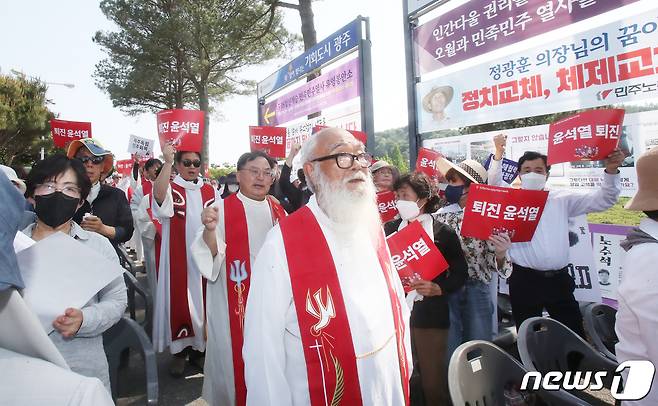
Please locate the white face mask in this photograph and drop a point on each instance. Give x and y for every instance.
(533, 181)
(408, 209)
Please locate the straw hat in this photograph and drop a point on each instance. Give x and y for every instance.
(646, 198)
(427, 99)
(95, 148)
(379, 165)
(470, 168)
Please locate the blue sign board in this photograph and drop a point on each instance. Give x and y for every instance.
(335, 45)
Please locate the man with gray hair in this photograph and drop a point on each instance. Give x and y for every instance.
(326, 321)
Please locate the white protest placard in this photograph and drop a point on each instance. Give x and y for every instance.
(140, 146)
(60, 272)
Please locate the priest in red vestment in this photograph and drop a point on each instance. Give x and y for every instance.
(179, 301)
(326, 322)
(224, 250)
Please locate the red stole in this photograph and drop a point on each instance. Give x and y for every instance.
(147, 192)
(179, 309)
(238, 272)
(323, 324)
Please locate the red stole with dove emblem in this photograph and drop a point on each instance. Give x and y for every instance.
(238, 275)
(333, 377)
(179, 307)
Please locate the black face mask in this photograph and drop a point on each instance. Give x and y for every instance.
(56, 208)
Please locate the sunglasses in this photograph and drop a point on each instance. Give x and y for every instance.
(96, 160)
(188, 162)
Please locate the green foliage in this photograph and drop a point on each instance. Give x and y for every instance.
(396, 159)
(617, 215)
(217, 171)
(24, 119)
(393, 146)
(181, 53)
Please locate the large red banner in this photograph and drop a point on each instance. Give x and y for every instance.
(183, 128)
(497, 210)
(64, 131)
(271, 140)
(386, 205)
(124, 166)
(426, 162)
(414, 255)
(587, 136)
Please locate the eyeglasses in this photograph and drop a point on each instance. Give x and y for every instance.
(188, 162)
(345, 160)
(257, 173)
(50, 187)
(96, 160)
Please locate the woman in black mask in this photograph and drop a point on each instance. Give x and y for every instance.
(58, 186)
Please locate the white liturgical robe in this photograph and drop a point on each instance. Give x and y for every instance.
(161, 325)
(275, 368)
(218, 382)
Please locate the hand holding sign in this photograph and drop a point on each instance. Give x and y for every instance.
(492, 210)
(415, 257)
(587, 136)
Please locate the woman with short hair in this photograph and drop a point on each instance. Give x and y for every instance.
(58, 186)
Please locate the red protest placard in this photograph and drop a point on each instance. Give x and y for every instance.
(496, 210)
(414, 255)
(64, 131)
(184, 128)
(386, 206)
(587, 136)
(359, 135)
(426, 162)
(271, 140)
(124, 166)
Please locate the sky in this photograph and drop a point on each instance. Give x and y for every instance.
(52, 40)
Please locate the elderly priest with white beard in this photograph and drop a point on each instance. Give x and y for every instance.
(326, 322)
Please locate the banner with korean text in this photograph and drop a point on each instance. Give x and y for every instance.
(414, 255)
(141, 147)
(271, 140)
(609, 258)
(587, 136)
(426, 162)
(386, 205)
(638, 133)
(614, 63)
(124, 166)
(63, 132)
(478, 27)
(183, 128)
(497, 210)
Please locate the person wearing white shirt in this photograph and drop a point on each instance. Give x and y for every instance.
(540, 278)
(637, 319)
(347, 341)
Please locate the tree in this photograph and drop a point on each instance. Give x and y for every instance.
(396, 159)
(24, 120)
(193, 51)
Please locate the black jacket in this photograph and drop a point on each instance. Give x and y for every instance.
(112, 207)
(432, 312)
(296, 197)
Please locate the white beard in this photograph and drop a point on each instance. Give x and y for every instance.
(355, 212)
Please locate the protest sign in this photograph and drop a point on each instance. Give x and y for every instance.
(587, 136)
(140, 146)
(386, 205)
(510, 168)
(414, 255)
(124, 166)
(496, 210)
(609, 258)
(426, 162)
(64, 131)
(183, 128)
(271, 140)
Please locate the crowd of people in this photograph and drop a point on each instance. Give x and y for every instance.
(278, 284)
